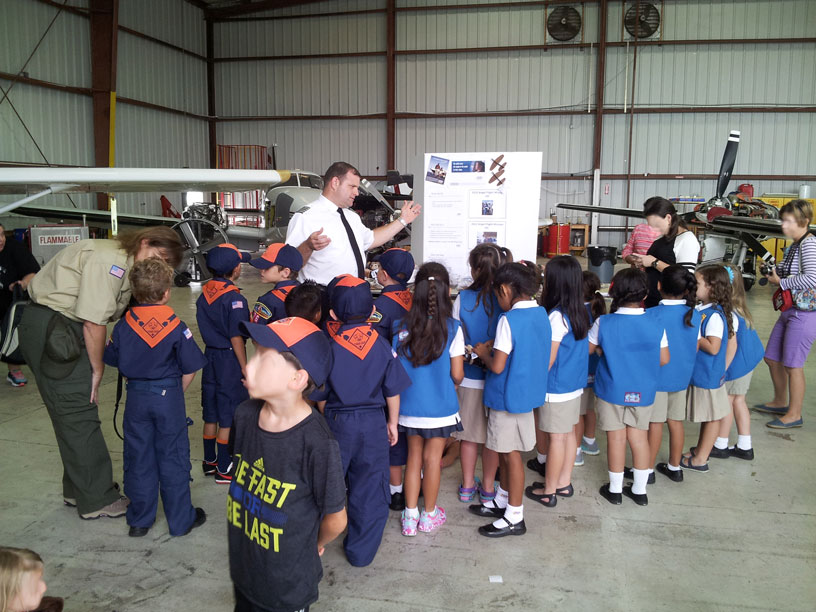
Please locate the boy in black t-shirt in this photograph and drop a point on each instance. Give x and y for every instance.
(287, 497)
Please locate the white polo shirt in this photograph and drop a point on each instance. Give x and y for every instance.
(338, 257)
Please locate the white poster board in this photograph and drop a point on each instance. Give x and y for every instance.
(470, 198)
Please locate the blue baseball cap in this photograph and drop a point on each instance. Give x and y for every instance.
(223, 258)
(350, 298)
(399, 264)
(298, 336)
(279, 255)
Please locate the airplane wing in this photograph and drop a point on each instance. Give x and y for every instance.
(604, 210)
(97, 218)
(119, 180)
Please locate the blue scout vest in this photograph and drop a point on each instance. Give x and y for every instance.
(594, 358)
(270, 306)
(709, 370)
(432, 393)
(568, 373)
(393, 303)
(522, 385)
(749, 352)
(630, 365)
(477, 326)
(676, 375)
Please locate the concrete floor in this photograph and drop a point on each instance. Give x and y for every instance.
(741, 537)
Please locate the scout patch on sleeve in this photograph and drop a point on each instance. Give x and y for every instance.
(237, 304)
(117, 271)
(260, 313)
(631, 397)
(188, 334)
(375, 317)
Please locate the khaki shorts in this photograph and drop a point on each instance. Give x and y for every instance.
(587, 400)
(612, 417)
(669, 405)
(704, 405)
(508, 432)
(559, 417)
(472, 413)
(739, 386)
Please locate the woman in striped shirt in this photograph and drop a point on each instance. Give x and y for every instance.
(795, 330)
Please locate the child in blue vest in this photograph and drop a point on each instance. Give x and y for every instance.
(750, 352)
(681, 320)
(219, 310)
(396, 269)
(585, 430)
(478, 311)
(366, 376)
(156, 353)
(707, 400)
(633, 347)
(516, 384)
(279, 264)
(431, 348)
(563, 298)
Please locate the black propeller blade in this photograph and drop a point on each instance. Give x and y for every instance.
(727, 166)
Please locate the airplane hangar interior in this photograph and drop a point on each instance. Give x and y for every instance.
(652, 158)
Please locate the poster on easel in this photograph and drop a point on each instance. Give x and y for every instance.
(474, 198)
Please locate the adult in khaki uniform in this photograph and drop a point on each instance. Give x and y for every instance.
(62, 337)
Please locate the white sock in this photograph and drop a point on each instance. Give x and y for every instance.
(395, 488)
(412, 513)
(673, 468)
(513, 514)
(744, 442)
(615, 482)
(589, 441)
(501, 497)
(721, 443)
(640, 479)
(578, 452)
(432, 512)
(542, 459)
(651, 470)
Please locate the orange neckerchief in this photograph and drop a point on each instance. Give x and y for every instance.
(214, 289)
(404, 297)
(152, 323)
(332, 327)
(357, 340)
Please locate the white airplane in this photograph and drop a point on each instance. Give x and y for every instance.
(199, 234)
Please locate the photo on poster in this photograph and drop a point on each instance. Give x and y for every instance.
(486, 233)
(458, 167)
(487, 203)
(437, 170)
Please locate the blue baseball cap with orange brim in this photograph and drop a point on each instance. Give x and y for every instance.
(223, 258)
(350, 298)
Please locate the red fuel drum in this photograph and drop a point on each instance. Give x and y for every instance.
(558, 237)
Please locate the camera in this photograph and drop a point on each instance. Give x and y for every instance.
(472, 358)
(765, 269)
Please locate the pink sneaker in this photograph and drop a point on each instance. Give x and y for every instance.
(409, 524)
(428, 523)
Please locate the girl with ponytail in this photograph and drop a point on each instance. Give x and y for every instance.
(681, 321)
(431, 347)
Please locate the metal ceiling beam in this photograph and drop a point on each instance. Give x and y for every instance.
(104, 35)
(254, 7)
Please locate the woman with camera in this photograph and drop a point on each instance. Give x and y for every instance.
(795, 330)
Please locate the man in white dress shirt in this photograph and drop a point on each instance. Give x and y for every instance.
(323, 232)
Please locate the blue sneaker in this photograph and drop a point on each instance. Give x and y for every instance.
(590, 449)
(16, 378)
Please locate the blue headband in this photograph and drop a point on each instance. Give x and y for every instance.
(730, 274)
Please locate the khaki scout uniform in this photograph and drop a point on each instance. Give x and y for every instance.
(87, 281)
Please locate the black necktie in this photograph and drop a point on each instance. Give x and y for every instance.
(354, 246)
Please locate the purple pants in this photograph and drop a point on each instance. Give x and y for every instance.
(792, 337)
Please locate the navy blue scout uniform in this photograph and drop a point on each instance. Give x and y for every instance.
(153, 349)
(676, 375)
(219, 310)
(749, 351)
(569, 371)
(365, 371)
(709, 370)
(630, 364)
(395, 300)
(270, 306)
(522, 386)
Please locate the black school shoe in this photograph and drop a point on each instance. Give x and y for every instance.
(628, 474)
(138, 532)
(534, 465)
(675, 475)
(716, 453)
(397, 501)
(485, 511)
(200, 519)
(612, 498)
(736, 451)
(491, 531)
(639, 499)
(209, 468)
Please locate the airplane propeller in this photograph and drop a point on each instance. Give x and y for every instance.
(727, 166)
